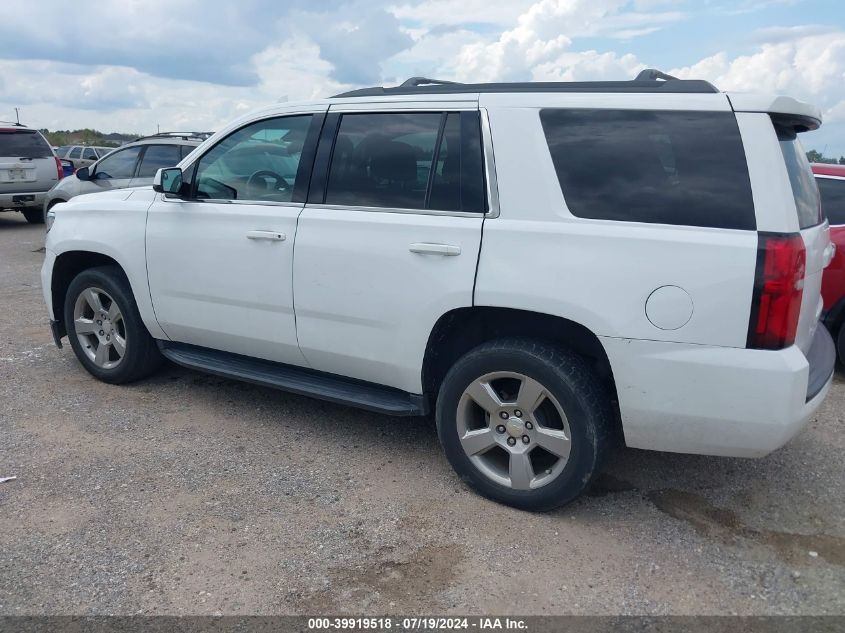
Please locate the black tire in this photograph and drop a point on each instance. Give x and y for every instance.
(840, 344)
(33, 216)
(570, 380)
(142, 356)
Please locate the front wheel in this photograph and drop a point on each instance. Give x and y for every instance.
(105, 328)
(524, 422)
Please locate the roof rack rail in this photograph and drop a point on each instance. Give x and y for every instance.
(413, 82)
(182, 135)
(652, 74)
(649, 80)
(13, 123)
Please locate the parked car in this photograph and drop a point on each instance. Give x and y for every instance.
(644, 267)
(82, 155)
(28, 169)
(831, 182)
(132, 165)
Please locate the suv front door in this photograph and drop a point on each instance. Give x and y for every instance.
(389, 239)
(220, 261)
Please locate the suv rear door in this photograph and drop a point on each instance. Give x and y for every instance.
(389, 239)
(27, 162)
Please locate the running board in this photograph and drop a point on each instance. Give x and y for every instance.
(305, 382)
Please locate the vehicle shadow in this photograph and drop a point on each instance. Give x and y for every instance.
(13, 220)
(648, 474)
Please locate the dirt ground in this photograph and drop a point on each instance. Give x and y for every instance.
(193, 494)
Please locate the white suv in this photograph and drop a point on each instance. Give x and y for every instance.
(541, 265)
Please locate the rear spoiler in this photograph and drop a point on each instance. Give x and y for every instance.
(786, 111)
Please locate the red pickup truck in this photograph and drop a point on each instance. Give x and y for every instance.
(831, 182)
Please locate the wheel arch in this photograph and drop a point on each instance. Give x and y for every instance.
(462, 329)
(67, 266)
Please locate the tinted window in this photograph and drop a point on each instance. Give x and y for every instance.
(156, 157)
(801, 178)
(647, 166)
(89, 154)
(383, 160)
(258, 162)
(833, 199)
(119, 164)
(76, 152)
(23, 144)
(61, 151)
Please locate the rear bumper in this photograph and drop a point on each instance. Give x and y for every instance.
(22, 199)
(717, 401)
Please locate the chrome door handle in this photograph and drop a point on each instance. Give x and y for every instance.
(427, 248)
(266, 235)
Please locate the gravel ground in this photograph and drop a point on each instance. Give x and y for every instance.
(193, 494)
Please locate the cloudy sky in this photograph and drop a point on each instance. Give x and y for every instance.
(132, 65)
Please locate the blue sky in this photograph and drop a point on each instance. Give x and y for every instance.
(178, 64)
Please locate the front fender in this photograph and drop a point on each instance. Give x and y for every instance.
(112, 224)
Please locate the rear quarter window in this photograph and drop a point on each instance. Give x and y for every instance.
(664, 167)
(832, 192)
(24, 144)
(801, 178)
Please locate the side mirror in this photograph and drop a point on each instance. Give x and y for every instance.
(168, 181)
(83, 173)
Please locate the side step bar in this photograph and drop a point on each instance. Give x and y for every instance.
(298, 380)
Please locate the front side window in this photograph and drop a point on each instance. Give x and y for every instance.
(258, 162)
(118, 165)
(832, 192)
(156, 157)
(666, 167)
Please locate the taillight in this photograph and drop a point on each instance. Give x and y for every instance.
(59, 167)
(778, 289)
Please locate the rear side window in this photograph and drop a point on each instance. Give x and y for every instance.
(420, 160)
(89, 154)
(801, 178)
(23, 144)
(665, 167)
(833, 199)
(156, 157)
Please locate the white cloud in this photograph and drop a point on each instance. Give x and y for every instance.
(539, 46)
(810, 68)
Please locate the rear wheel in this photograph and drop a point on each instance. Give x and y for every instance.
(105, 329)
(524, 422)
(33, 216)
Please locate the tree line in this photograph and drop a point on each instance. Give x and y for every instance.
(817, 157)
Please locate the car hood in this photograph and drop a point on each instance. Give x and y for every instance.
(103, 199)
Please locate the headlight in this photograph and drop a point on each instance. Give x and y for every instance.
(50, 218)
